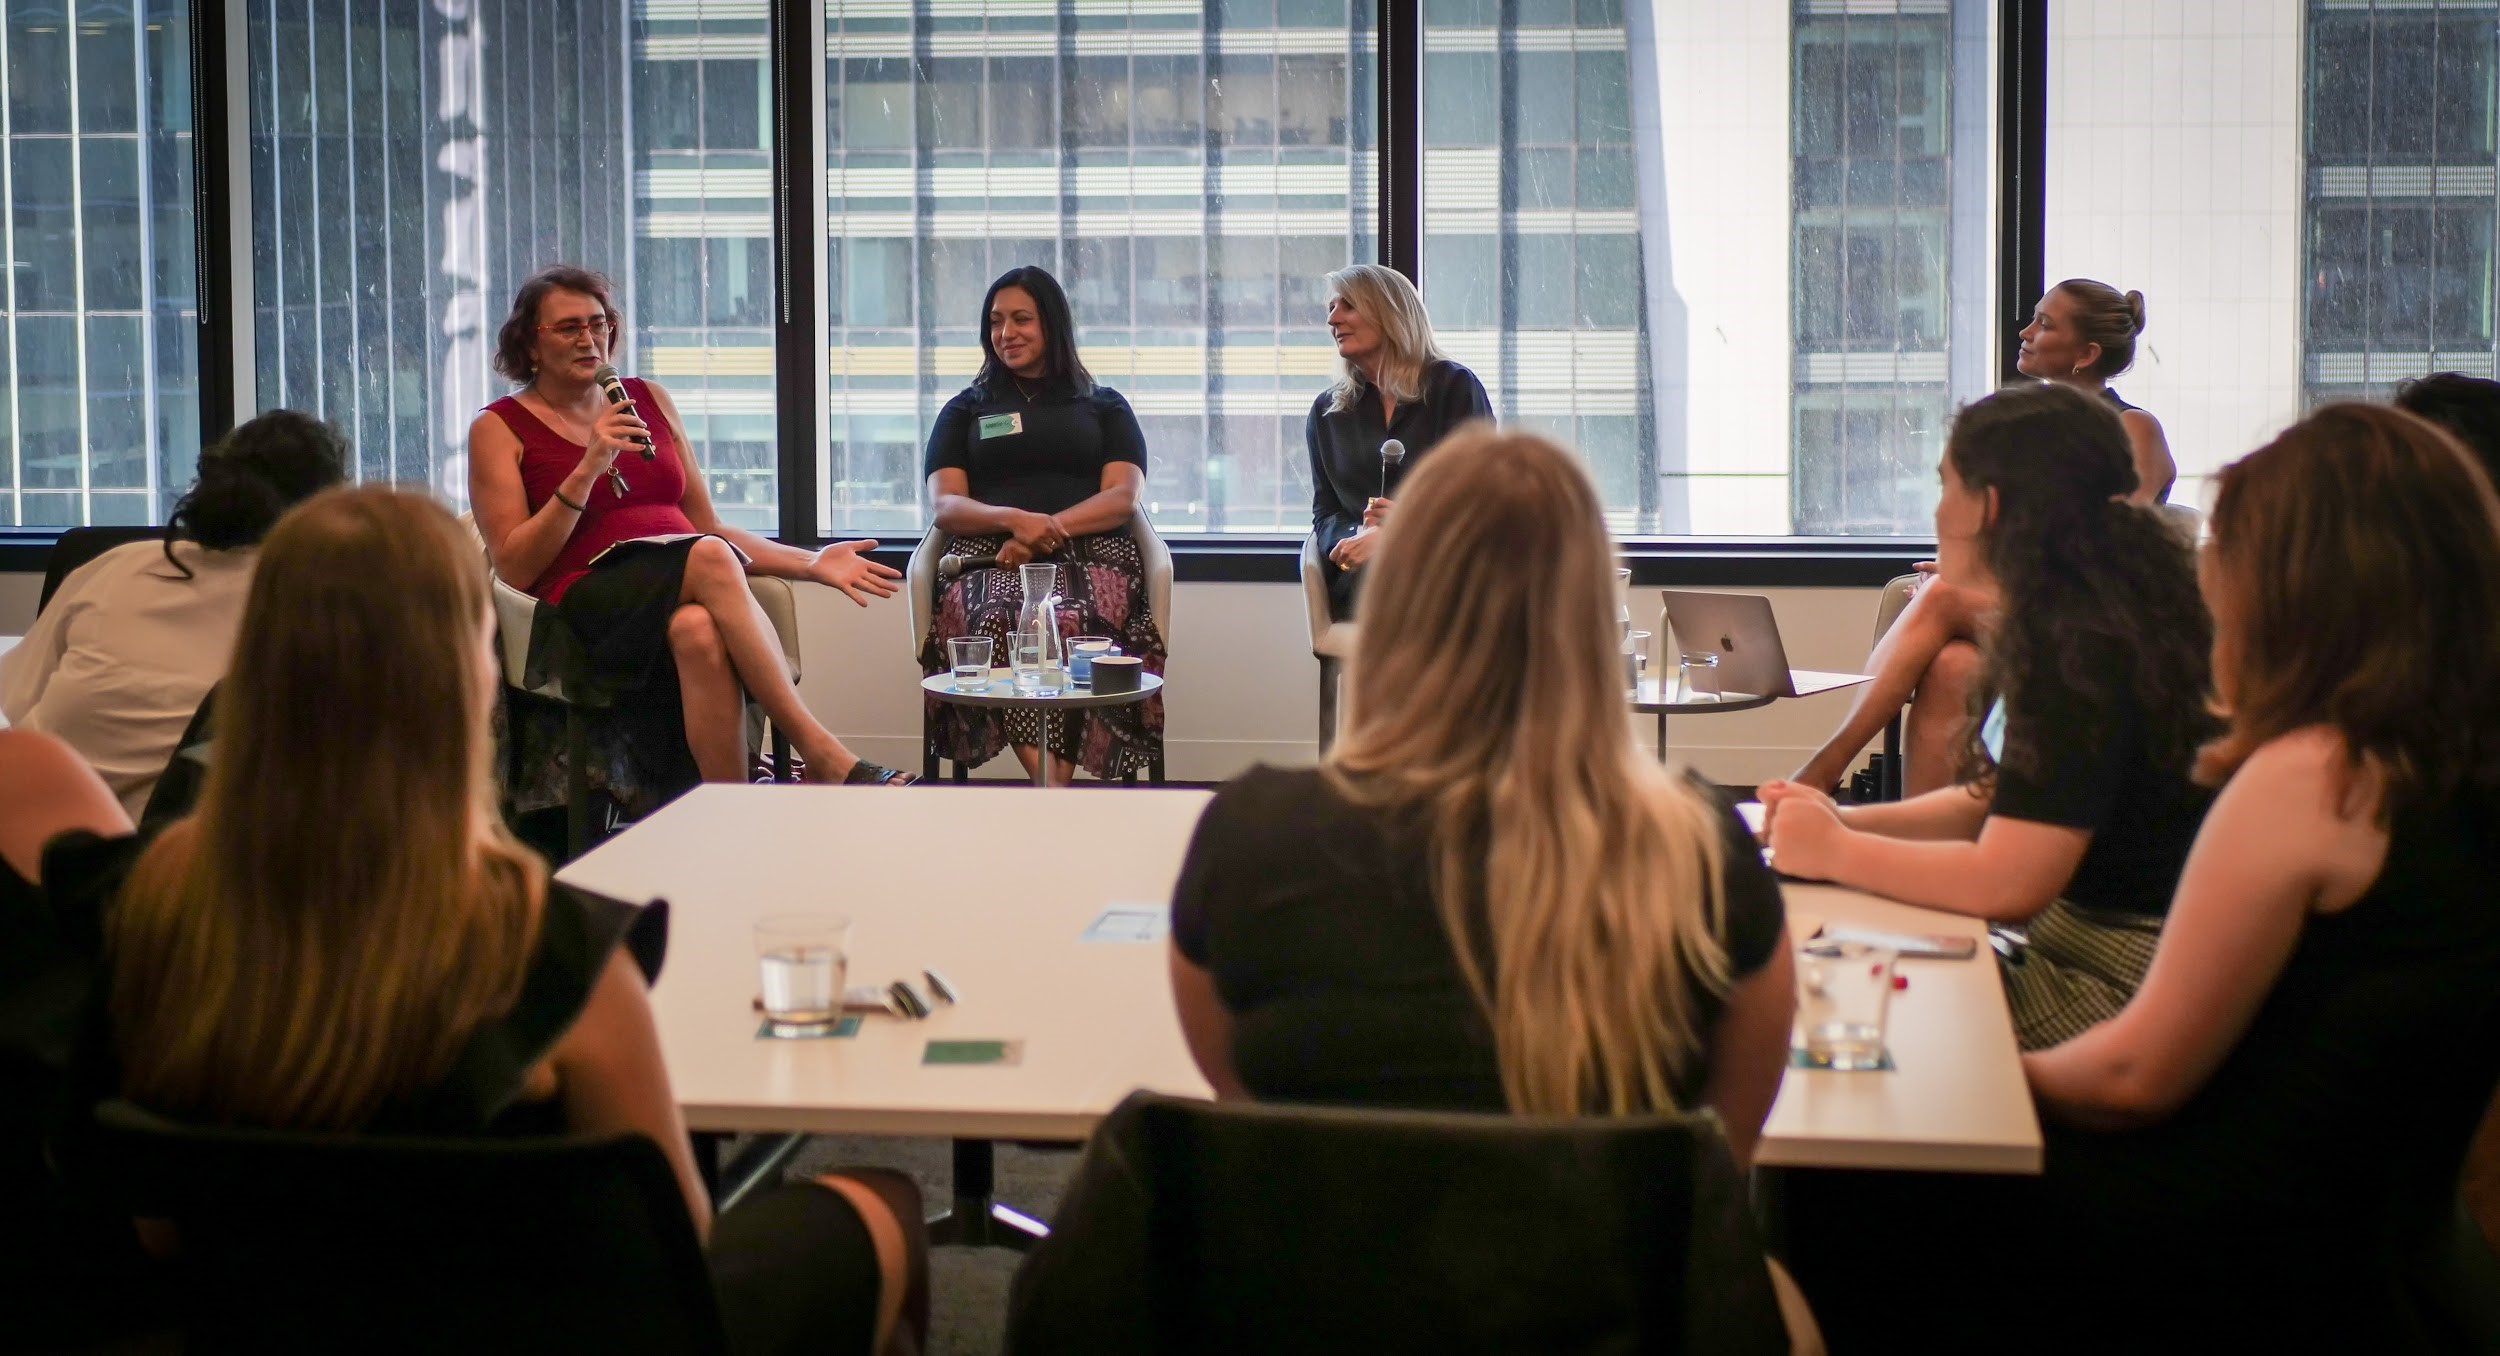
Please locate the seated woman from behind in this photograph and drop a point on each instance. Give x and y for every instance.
(413, 969)
(119, 659)
(2075, 807)
(2291, 1091)
(1487, 897)
(2082, 334)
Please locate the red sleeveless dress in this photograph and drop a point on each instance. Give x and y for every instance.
(650, 506)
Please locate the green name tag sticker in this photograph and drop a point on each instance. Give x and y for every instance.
(1000, 425)
(973, 1052)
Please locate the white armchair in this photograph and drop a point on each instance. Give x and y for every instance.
(516, 617)
(1332, 642)
(920, 592)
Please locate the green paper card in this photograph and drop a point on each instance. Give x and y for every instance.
(1000, 425)
(973, 1052)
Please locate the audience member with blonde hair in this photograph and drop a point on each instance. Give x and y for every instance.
(1393, 382)
(411, 968)
(2082, 334)
(1545, 920)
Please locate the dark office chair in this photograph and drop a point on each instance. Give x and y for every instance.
(1222, 1227)
(77, 546)
(335, 1243)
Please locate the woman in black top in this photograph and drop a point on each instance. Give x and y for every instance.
(2075, 808)
(1035, 463)
(1393, 382)
(1487, 897)
(411, 968)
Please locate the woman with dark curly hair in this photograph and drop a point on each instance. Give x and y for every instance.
(560, 478)
(2074, 808)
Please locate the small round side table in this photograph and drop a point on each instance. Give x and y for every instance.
(1002, 692)
(1657, 696)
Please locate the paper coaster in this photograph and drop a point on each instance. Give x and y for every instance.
(1797, 1060)
(847, 1027)
(1130, 923)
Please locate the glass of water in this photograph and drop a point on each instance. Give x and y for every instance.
(972, 662)
(1082, 652)
(806, 962)
(1635, 659)
(1697, 676)
(1844, 992)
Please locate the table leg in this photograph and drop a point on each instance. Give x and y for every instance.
(1041, 774)
(1662, 736)
(976, 1220)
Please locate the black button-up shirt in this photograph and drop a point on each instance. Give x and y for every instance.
(1345, 455)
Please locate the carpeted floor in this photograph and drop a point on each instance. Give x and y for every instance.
(968, 1286)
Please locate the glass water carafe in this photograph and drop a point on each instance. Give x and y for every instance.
(1040, 657)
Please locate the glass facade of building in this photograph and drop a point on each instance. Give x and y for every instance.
(2401, 181)
(1190, 170)
(1873, 247)
(99, 375)
(1191, 174)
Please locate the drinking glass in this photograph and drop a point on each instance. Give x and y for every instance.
(1844, 991)
(1697, 676)
(806, 962)
(1623, 601)
(972, 662)
(1082, 652)
(1635, 659)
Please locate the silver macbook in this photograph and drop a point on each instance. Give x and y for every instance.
(1740, 629)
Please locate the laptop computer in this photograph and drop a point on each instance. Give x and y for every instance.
(1740, 629)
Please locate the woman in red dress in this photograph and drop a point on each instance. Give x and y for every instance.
(557, 475)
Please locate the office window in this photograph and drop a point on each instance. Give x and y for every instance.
(1736, 297)
(413, 162)
(1878, 263)
(1189, 205)
(99, 378)
(2398, 195)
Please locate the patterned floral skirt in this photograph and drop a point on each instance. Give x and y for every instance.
(1102, 592)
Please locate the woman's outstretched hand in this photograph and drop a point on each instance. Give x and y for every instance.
(845, 565)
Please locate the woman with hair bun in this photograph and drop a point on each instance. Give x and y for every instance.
(2081, 334)
(118, 661)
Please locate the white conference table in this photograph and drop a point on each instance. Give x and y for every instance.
(994, 886)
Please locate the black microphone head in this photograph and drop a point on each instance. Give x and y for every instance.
(1392, 452)
(611, 383)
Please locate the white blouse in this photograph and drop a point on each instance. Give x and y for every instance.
(117, 662)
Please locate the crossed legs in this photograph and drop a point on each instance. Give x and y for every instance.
(726, 651)
(1930, 662)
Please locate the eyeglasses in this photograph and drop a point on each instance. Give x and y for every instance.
(597, 327)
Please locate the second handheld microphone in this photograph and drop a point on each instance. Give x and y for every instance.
(614, 385)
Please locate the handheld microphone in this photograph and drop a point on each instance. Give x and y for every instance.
(953, 566)
(615, 387)
(1392, 454)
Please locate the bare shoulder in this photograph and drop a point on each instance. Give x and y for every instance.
(660, 394)
(2140, 422)
(488, 430)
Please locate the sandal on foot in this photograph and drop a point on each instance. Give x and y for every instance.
(865, 773)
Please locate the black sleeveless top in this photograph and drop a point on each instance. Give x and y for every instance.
(2111, 394)
(2327, 1145)
(481, 1094)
